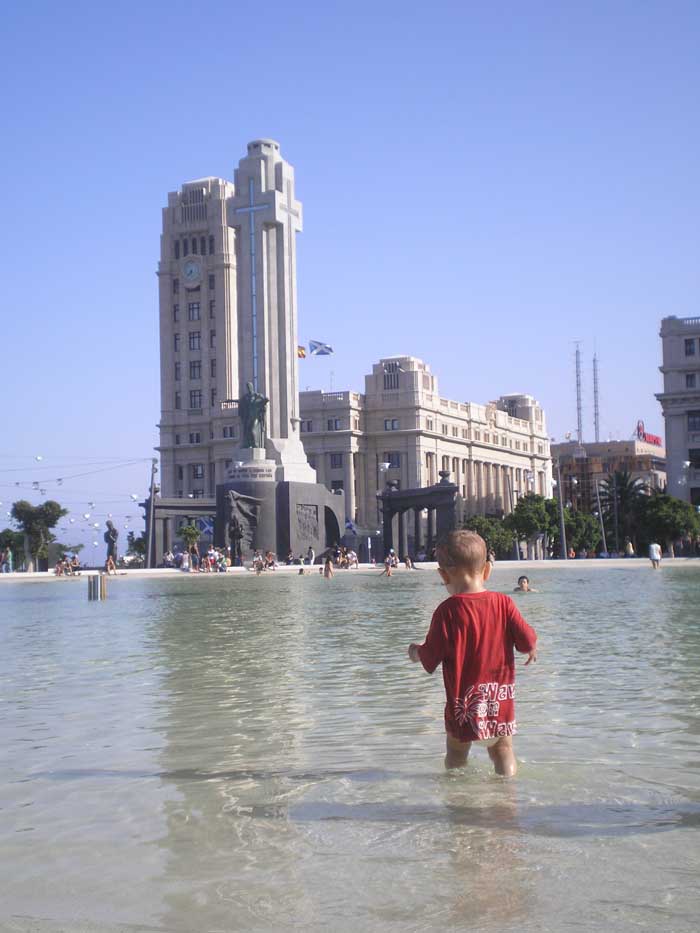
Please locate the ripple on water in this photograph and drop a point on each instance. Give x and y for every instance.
(258, 753)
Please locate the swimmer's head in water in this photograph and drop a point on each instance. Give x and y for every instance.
(522, 580)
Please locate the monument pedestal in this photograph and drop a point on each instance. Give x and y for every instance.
(277, 516)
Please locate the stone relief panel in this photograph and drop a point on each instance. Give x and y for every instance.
(307, 522)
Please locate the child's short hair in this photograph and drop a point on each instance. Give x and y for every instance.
(523, 579)
(464, 550)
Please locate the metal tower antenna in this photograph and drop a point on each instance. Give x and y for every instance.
(596, 409)
(579, 407)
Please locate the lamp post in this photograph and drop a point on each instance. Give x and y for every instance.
(562, 525)
(573, 483)
(151, 509)
(381, 468)
(600, 517)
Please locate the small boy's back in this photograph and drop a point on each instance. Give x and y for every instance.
(473, 634)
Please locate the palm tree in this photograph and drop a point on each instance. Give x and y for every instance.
(620, 497)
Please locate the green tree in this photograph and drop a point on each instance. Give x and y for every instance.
(190, 534)
(582, 530)
(621, 498)
(495, 533)
(36, 522)
(530, 518)
(666, 519)
(136, 546)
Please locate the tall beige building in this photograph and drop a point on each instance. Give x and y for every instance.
(401, 429)
(680, 401)
(227, 276)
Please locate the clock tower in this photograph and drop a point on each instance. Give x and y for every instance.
(228, 317)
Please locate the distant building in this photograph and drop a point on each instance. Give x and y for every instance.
(680, 401)
(401, 430)
(582, 467)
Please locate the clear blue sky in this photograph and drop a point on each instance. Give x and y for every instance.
(483, 183)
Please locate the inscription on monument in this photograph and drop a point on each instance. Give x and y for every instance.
(307, 521)
(264, 472)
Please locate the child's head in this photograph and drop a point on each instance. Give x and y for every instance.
(523, 583)
(461, 557)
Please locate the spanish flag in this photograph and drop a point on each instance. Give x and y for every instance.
(301, 353)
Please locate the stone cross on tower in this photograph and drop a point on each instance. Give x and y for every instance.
(266, 218)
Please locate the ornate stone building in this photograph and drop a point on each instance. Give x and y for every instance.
(680, 400)
(400, 429)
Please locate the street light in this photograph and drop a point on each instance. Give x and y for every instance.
(683, 480)
(562, 526)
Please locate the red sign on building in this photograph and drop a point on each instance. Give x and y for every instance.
(649, 438)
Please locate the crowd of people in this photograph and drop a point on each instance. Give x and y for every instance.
(212, 560)
(67, 566)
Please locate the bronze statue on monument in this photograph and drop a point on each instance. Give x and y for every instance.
(251, 409)
(110, 539)
(243, 514)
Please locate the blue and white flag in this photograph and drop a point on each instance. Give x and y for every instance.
(316, 348)
(205, 525)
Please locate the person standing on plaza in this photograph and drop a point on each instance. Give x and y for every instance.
(310, 556)
(6, 560)
(655, 554)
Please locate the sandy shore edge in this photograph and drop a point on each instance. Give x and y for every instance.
(513, 566)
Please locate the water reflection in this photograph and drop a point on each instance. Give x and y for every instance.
(258, 754)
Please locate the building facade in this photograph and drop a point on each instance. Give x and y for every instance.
(587, 466)
(227, 281)
(680, 401)
(401, 430)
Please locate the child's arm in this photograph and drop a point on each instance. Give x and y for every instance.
(523, 635)
(432, 651)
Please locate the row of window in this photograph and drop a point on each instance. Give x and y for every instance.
(195, 437)
(194, 341)
(195, 399)
(332, 424)
(489, 438)
(196, 470)
(392, 457)
(193, 245)
(194, 311)
(393, 424)
(195, 369)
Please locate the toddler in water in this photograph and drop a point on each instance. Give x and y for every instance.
(472, 634)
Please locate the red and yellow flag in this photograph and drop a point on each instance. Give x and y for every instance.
(301, 353)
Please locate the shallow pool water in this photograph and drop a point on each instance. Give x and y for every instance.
(240, 753)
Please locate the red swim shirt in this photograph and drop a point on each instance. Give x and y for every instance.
(473, 635)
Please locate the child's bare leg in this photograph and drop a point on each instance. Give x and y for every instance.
(503, 757)
(457, 753)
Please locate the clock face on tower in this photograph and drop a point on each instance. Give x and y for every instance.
(191, 271)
